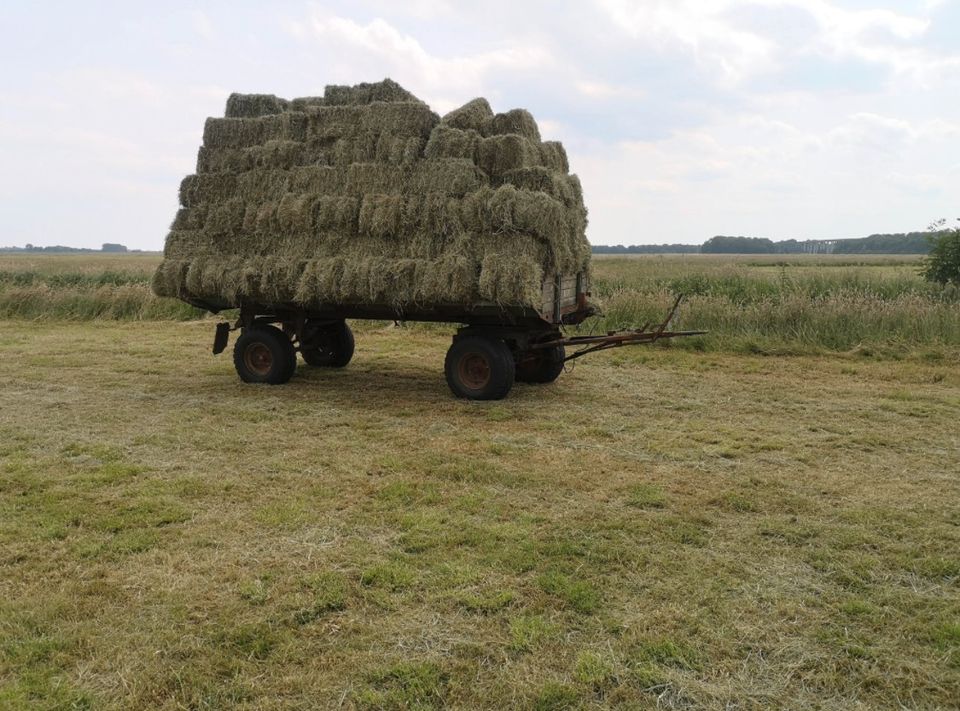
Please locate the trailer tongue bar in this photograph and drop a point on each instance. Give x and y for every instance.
(617, 339)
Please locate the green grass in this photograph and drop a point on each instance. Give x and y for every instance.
(802, 304)
(84, 287)
(660, 528)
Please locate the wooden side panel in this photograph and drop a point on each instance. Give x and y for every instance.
(549, 295)
(568, 290)
(561, 295)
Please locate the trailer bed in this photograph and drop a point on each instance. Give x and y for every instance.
(564, 301)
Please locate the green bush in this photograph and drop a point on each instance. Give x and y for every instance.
(943, 263)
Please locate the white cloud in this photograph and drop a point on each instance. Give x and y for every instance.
(916, 183)
(873, 132)
(886, 134)
(377, 49)
(601, 90)
(878, 36)
(709, 30)
(698, 27)
(759, 175)
(421, 9)
(202, 25)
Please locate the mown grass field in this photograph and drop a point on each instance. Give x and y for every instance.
(703, 526)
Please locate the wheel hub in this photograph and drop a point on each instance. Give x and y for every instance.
(474, 371)
(257, 357)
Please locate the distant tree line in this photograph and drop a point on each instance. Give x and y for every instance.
(647, 249)
(909, 243)
(107, 247)
(900, 243)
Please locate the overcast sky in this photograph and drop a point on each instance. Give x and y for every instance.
(684, 119)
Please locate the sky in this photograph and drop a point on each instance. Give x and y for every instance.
(805, 119)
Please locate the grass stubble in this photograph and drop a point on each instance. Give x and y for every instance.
(660, 527)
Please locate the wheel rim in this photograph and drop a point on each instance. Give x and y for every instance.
(258, 358)
(474, 371)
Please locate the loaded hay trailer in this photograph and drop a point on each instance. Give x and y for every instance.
(364, 204)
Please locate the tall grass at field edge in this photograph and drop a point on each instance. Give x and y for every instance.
(833, 323)
(125, 302)
(786, 307)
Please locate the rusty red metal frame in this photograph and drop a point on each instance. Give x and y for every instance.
(617, 339)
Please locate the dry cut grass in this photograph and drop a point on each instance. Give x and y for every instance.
(658, 528)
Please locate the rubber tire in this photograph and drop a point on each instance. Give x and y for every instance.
(283, 355)
(339, 337)
(546, 367)
(499, 359)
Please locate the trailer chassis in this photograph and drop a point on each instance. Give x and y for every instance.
(487, 355)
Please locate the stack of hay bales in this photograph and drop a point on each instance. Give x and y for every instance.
(365, 196)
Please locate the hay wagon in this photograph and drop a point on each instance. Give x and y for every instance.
(495, 347)
(365, 204)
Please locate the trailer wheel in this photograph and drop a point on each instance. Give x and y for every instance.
(540, 365)
(479, 368)
(329, 346)
(264, 354)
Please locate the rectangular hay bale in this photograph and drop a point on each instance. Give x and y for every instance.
(324, 122)
(447, 142)
(367, 93)
(473, 115)
(407, 119)
(246, 132)
(537, 178)
(189, 218)
(321, 179)
(380, 215)
(225, 218)
(431, 216)
(264, 184)
(296, 213)
(170, 278)
(451, 279)
(254, 105)
(510, 279)
(450, 176)
(398, 150)
(279, 277)
(224, 160)
(337, 213)
(358, 148)
(197, 189)
(363, 178)
(182, 243)
(553, 156)
(272, 154)
(318, 281)
(497, 155)
(303, 104)
(282, 154)
(516, 122)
